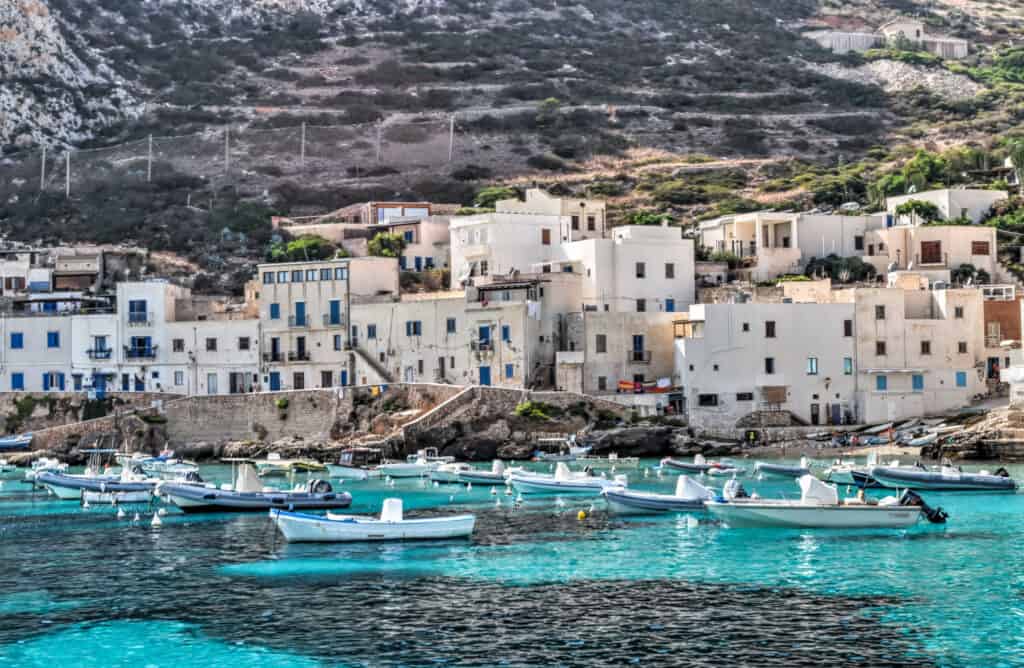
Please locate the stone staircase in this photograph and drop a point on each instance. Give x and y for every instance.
(372, 362)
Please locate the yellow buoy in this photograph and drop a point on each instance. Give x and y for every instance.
(582, 515)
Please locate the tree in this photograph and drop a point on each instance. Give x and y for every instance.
(1015, 150)
(486, 198)
(646, 218)
(386, 244)
(307, 247)
(919, 210)
(925, 168)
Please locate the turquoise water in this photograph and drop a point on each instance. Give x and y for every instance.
(534, 586)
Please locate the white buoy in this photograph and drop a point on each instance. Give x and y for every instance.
(647, 472)
(156, 521)
(136, 518)
(691, 522)
(469, 487)
(497, 502)
(437, 484)
(494, 492)
(85, 505)
(591, 509)
(121, 514)
(560, 502)
(451, 498)
(391, 482)
(162, 512)
(508, 491)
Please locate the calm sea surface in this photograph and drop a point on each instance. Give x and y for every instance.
(534, 586)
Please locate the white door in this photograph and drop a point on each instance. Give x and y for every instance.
(211, 383)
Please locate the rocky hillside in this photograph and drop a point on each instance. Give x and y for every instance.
(587, 94)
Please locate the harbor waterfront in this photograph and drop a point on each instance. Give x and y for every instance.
(536, 584)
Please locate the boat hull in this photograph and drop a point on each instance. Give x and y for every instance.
(936, 481)
(739, 515)
(624, 502)
(537, 485)
(117, 498)
(340, 472)
(302, 528)
(686, 466)
(405, 470)
(69, 487)
(195, 499)
(780, 471)
(482, 478)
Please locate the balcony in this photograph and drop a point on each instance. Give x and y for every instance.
(638, 357)
(298, 356)
(140, 353)
(333, 322)
(273, 357)
(482, 346)
(140, 318)
(99, 353)
(294, 321)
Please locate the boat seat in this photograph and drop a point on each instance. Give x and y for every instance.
(853, 501)
(392, 511)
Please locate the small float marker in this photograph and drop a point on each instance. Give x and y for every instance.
(582, 515)
(156, 522)
(121, 514)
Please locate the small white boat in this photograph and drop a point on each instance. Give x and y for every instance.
(689, 496)
(927, 439)
(878, 429)
(944, 429)
(417, 469)
(43, 465)
(275, 466)
(783, 471)
(302, 527)
(725, 471)
(449, 472)
(356, 464)
(559, 449)
(945, 478)
(563, 481)
(6, 468)
(699, 464)
(496, 476)
(819, 507)
(612, 461)
(430, 456)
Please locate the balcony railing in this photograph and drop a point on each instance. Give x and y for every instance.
(298, 356)
(140, 318)
(992, 341)
(140, 353)
(932, 261)
(483, 346)
(294, 321)
(638, 357)
(99, 353)
(273, 357)
(333, 322)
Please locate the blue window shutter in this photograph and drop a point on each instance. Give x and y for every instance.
(506, 333)
(46, 382)
(17, 381)
(17, 340)
(401, 262)
(275, 311)
(670, 305)
(60, 381)
(918, 382)
(408, 327)
(509, 370)
(961, 379)
(881, 383)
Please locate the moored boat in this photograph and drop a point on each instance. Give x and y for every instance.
(612, 461)
(699, 464)
(6, 468)
(15, 442)
(945, 478)
(449, 472)
(819, 507)
(783, 470)
(356, 464)
(496, 476)
(563, 481)
(247, 495)
(275, 466)
(70, 487)
(689, 495)
(391, 525)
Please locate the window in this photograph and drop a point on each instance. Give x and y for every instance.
(858, 243)
(746, 327)
(450, 328)
(707, 399)
(178, 345)
(419, 367)
(917, 382)
(298, 381)
(275, 311)
(769, 329)
(282, 277)
(545, 237)
(337, 341)
(744, 396)
(179, 377)
(484, 267)
(961, 379)
(17, 381)
(880, 312)
(334, 312)
(53, 339)
(881, 383)
(641, 305)
(961, 347)
(931, 252)
(137, 311)
(812, 366)
(847, 328)
(641, 270)
(17, 340)
(847, 366)
(156, 375)
(243, 343)
(575, 222)
(926, 347)
(506, 333)
(510, 370)
(371, 331)
(211, 345)
(979, 248)
(297, 276)
(591, 223)
(670, 270)
(601, 343)
(769, 365)
(407, 236)
(958, 312)
(602, 383)
(340, 273)
(325, 274)
(880, 348)
(268, 278)
(402, 263)
(413, 328)
(381, 356)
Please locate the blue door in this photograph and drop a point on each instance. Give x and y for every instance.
(485, 333)
(140, 385)
(275, 381)
(344, 378)
(46, 382)
(419, 263)
(124, 382)
(60, 382)
(99, 383)
(485, 375)
(300, 313)
(335, 311)
(837, 414)
(670, 305)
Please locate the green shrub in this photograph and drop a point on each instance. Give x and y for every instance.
(282, 404)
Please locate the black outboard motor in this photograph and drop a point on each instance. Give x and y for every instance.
(733, 489)
(193, 478)
(318, 486)
(137, 470)
(934, 515)
(1002, 473)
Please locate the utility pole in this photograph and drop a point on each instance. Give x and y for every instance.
(227, 150)
(149, 162)
(42, 172)
(302, 146)
(380, 129)
(451, 138)
(67, 175)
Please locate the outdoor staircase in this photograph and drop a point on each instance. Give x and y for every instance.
(371, 362)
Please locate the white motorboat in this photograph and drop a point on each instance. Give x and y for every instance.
(44, 464)
(563, 481)
(302, 527)
(430, 456)
(944, 478)
(612, 461)
(725, 471)
(559, 449)
(164, 466)
(689, 496)
(496, 476)
(6, 468)
(275, 466)
(783, 471)
(356, 464)
(819, 507)
(927, 439)
(449, 472)
(417, 469)
(117, 498)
